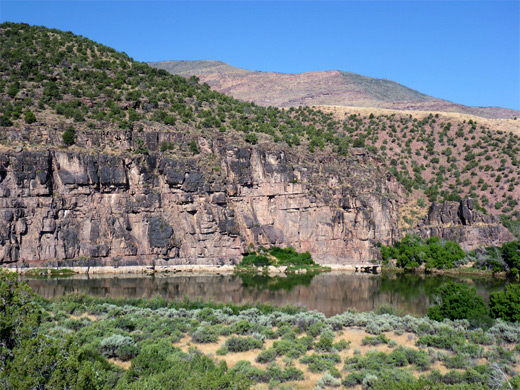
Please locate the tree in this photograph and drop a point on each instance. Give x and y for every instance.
(506, 304)
(30, 117)
(252, 138)
(193, 147)
(457, 301)
(68, 136)
(19, 315)
(511, 255)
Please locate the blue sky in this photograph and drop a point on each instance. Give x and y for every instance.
(464, 51)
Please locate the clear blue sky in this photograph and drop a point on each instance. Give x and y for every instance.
(464, 51)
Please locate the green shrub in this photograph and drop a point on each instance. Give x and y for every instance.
(291, 348)
(69, 136)
(412, 252)
(29, 117)
(205, 334)
(456, 361)
(165, 146)
(118, 346)
(320, 363)
(194, 147)
(381, 339)
(267, 356)
(506, 304)
(242, 344)
(459, 301)
(278, 257)
(445, 338)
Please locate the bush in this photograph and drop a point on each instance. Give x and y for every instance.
(242, 344)
(320, 363)
(118, 346)
(19, 315)
(165, 146)
(455, 361)
(327, 380)
(69, 136)
(291, 348)
(204, 334)
(276, 373)
(412, 252)
(445, 338)
(251, 138)
(193, 147)
(381, 339)
(267, 356)
(457, 301)
(506, 304)
(29, 117)
(278, 257)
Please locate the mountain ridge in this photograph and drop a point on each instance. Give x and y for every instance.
(330, 87)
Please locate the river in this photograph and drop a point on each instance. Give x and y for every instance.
(329, 293)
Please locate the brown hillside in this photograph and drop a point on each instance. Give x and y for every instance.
(319, 88)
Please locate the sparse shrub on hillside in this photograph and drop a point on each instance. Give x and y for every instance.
(69, 136)
(29, 117)
(91, 83)
(193, 147)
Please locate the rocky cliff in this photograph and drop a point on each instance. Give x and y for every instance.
(461, 222)
(107, 161)
(141, 210)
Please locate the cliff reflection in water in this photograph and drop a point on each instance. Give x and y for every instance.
(330, 293)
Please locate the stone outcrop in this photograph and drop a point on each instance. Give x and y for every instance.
(461, 222)
(59, 206)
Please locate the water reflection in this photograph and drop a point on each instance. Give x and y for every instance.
(274, 283)
(330, 293)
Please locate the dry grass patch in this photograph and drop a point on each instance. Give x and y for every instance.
(120, 363)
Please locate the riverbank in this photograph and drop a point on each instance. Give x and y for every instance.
(176, 268)
(459, 271)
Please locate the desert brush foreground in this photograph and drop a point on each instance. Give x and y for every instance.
(82, 342)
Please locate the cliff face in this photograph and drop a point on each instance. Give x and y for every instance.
(460, 222)
(143, 210)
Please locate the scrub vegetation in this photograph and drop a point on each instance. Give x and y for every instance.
(83, 342)
(434, 253)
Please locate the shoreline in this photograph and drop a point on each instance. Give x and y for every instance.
(178, 268)
(230, 269)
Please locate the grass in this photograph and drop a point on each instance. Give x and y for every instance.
(44, 272)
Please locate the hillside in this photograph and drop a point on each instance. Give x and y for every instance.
(319, 88)
(110, 162)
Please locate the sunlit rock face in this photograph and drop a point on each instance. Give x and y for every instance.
(461, 222)
(208, 209)
(79, 209)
